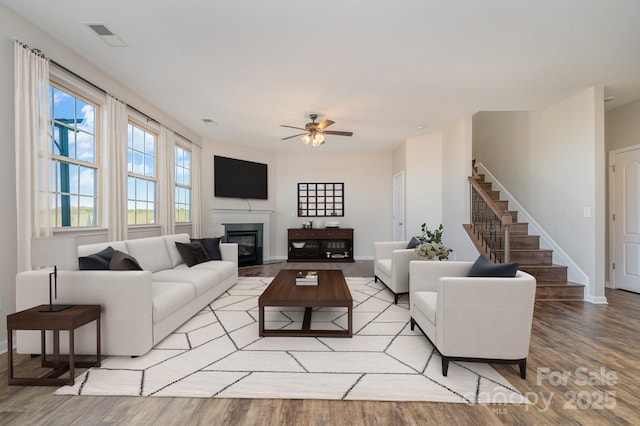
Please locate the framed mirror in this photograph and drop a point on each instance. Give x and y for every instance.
(320, 199)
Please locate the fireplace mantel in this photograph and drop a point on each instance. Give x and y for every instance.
(234, 216)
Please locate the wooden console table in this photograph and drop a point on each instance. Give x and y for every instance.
(320, 245)
(67, 320)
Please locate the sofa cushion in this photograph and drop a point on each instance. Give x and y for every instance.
(202, 280)
(97, 261)
(384, 265)
(483, 267)
(89, 249)
(169, 296)
(426, 302)
(192, 253)
(170, 242)
(151, 253)
(224, 268)
(212, 246)
(121, 261)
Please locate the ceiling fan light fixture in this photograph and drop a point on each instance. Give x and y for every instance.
(318, 137)
(306, 139)
(317, 142)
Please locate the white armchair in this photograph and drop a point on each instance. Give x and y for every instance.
(391, 265)
(472, 319)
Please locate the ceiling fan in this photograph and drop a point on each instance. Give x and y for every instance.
(314, 132)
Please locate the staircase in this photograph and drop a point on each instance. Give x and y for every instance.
(492, 220)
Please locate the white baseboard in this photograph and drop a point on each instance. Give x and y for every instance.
(599, 300)
(3, 346)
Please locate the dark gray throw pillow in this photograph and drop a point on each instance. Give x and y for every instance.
(483, 267)
(97, 261)
(192, 253)
(121, 261)
(211, 246)
(413, 243)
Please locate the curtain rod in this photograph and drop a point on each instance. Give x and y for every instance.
(100, 89)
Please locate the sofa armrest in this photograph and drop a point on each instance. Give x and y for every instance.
(384, 250)
(126, 298)
(229, 252)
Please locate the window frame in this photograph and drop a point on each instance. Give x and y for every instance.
(132, 121)
(97, 103)
(177, 185)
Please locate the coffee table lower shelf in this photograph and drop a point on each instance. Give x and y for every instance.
(306, 330)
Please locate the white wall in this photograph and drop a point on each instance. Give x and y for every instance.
(209, 202)
(623, 126)
(423, 182)
(552, 162)
(456, 168)
(12, 26)
(368, 191)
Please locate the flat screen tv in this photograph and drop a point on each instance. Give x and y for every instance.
(235, 178)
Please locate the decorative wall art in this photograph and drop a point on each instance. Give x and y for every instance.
(320, 199)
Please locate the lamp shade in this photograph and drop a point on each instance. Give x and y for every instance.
(60, 252)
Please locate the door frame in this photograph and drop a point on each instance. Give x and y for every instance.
(611, 210)
(399, 176)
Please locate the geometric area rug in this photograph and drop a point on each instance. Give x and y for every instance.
(218, 354)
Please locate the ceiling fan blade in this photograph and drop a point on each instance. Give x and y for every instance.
(324, 124)
(289, 137)
(292, 127)
(335, 132)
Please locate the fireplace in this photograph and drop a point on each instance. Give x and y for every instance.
(248, 236)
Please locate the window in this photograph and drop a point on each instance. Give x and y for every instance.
(183, 185)
(141, 182)
(74, 165)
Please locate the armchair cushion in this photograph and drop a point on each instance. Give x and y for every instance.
(413, 243)
(483, 267)
(384, 265)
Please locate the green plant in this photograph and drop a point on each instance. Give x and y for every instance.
(430, 236)
(431, 243)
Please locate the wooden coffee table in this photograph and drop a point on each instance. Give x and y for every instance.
(331, 291)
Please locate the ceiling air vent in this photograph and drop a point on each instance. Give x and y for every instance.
(106, 34)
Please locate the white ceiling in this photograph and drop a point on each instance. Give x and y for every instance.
(377, 68)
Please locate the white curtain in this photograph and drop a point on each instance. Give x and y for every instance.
(115, 168)
(196, 171)
(166, 167)
(33, 162)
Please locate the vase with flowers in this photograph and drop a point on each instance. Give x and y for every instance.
(431, 245)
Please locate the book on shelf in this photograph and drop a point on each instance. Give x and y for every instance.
(307, 278)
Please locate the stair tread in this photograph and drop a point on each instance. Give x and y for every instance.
(566, 284)
(522, 265)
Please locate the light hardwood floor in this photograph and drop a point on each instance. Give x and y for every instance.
(578, 350)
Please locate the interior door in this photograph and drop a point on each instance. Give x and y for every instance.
(626, 223)
(398, 207)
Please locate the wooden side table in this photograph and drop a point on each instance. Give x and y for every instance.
(67, 320)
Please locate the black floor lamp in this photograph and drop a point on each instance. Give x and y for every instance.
(49, 251)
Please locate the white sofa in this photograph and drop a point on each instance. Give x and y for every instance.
(472, 318)
(139, 308)
(391, 265)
